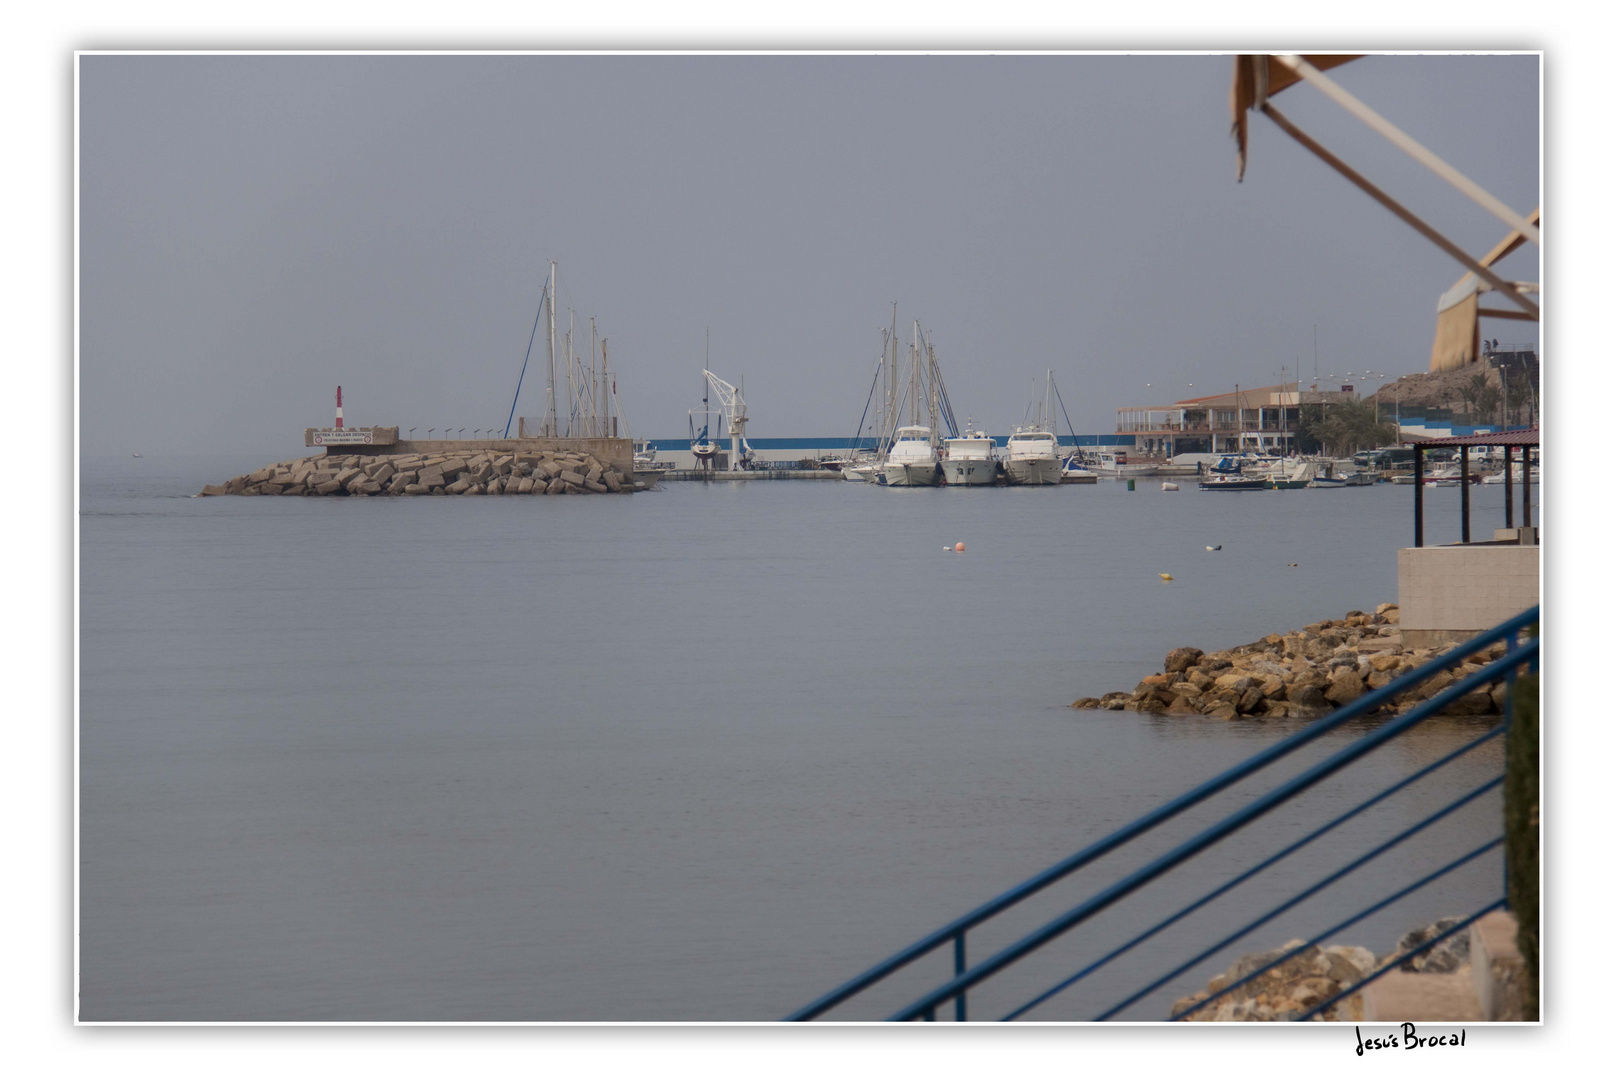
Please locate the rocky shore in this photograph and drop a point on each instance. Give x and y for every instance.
(1303, 674)
(1315, 975)
(485, 473)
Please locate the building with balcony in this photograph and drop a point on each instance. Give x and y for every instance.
(1264, 419)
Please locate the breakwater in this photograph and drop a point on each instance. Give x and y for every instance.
(480, 472)
(1303, 674)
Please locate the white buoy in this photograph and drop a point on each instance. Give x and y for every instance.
(1169, 486)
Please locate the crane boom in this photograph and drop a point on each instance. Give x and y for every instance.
(735, 410)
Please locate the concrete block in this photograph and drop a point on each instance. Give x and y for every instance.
(556, 486)
(327, 488)
(431, 478)
(525, 485)
(1498, 969)
(1401, 996)
(417, 489)
(569, 476)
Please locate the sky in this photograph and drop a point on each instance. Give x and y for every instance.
(255, 230)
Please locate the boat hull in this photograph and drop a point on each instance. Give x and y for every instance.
(968, 471)
(1246, 484)
(907, 474)
(1034, 471)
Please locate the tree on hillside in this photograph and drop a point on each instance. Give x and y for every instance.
(1487, 401)
(1471, 393)
(1518, 395)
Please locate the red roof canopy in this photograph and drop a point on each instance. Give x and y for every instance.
(1527, 437)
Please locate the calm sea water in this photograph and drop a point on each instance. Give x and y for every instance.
(694, 754)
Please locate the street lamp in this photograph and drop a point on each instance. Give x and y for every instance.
(411, 434)
(431, 430)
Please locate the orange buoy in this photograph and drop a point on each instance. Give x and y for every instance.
(961, 546)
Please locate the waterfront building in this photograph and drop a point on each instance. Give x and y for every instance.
(1263, 419)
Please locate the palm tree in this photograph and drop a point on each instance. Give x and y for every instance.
(1471, 392)
(1518, 393)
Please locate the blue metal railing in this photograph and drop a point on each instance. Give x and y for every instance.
(1516, 654)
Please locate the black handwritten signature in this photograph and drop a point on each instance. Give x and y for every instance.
(1408, 1039)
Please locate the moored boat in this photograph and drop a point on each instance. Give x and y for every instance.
(1232, 482)
(1032, 457)
(912, 461)
(969, 460)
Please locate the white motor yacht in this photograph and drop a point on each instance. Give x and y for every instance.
(912, 461)
(1032, 457)
(969, 460)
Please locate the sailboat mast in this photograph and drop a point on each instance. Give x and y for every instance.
(551, 355)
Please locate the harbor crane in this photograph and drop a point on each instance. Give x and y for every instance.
(735, 411)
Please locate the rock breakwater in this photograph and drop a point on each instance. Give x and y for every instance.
(1304, 981)
(476, 473)
(1303, 674)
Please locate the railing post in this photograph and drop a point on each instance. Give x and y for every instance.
(1417, 496)
(961, 966)
(1466, 538)
(1525, 487)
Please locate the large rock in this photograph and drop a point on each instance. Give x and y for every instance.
(1179, 660)
(1307, 695)
(1345, 687)
(568, 476)
(431, 478)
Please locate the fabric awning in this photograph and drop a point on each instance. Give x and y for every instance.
(1255, 77)
(1456, 329)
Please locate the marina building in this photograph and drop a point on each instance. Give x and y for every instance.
(1263, 418)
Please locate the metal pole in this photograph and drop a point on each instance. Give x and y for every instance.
(1417, 495)
(1507, 481)
(961, 966)
(1525, 487)
(1465, 506)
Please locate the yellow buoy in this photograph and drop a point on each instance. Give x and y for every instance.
(1167, 577)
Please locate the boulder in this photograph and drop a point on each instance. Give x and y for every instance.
(1238, 684)
(1222, 711)
(1086, 703)
(1179, 660)
(1251, 698)
(1444, 958)
(1307, 695)
(1345, 687)
(525, 485)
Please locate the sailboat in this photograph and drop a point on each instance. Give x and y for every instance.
(913, 457)
(704, 448)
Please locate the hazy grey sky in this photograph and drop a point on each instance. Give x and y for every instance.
(255, 230)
